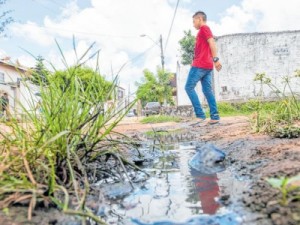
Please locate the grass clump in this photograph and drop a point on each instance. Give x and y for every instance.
(280, 119)
(160, 119)
(245, 108)
(46, 158)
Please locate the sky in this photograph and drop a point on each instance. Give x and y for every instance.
(52, 28)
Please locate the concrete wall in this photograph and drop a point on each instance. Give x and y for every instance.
(182, 111)
(182, 98)
(243, 55)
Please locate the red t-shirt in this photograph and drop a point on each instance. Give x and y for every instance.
(202, 53)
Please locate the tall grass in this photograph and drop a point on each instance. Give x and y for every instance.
(47, 155)
(282, 120)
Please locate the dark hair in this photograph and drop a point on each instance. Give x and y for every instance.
(202, 14)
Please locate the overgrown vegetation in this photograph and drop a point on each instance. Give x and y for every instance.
(245, 108)
(50, 154)
(39, 73)
(155, 87)
(187, 44)
(282, 120)
(160, 119)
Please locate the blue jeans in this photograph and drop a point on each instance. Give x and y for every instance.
(203, 75)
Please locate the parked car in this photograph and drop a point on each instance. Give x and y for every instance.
(152, 108)
(131, 113)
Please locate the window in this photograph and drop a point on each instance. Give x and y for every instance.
(224, 89)
(120, 94)
(2, 77)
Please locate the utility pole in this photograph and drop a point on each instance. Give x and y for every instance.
(162, 53)
(162, 58)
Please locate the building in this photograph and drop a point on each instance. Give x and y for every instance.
(277, 54)
(21, 94)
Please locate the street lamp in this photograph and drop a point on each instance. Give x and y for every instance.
(161, 48)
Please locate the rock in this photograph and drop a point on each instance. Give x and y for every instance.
(208, 159)
(296, 216)
(275, 216)
(116, 190)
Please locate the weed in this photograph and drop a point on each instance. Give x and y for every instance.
(281, 117)
(286, 186)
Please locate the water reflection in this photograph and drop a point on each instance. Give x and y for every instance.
(207, 188)
(174, 192)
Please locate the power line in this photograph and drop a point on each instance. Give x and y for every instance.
(135, 58)
(172, 24)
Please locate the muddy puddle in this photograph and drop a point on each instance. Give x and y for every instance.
(174, 193)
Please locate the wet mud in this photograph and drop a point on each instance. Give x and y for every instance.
(250, 159)
(236, 194)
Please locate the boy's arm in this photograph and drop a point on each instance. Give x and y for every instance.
(213, 49)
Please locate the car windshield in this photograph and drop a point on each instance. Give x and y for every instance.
(151, 104)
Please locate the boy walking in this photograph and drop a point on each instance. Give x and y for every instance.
(205, 59)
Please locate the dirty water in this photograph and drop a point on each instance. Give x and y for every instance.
(174, 193)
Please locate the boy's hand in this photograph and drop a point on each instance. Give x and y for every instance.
(218, 66)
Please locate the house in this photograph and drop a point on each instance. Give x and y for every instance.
(277, 54)
(21, 95)
(119, 101)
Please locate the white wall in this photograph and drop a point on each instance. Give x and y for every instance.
(182, 98)
(243, 55)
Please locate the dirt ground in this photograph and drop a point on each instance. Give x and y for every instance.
(251, 156)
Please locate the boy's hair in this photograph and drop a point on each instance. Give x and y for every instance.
(202, 14)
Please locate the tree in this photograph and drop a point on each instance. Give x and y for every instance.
(155, 88)
(84, 76)
(40, 73)
(5, 17)
(187, 44)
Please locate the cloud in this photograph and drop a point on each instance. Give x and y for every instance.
(115, 26)
(27, 61)
(31, 31)
(259, 16)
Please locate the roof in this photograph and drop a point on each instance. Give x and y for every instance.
(15, 66)
(258, 33)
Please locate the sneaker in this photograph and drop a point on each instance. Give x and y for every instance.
(212, 122)
(198, 122)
